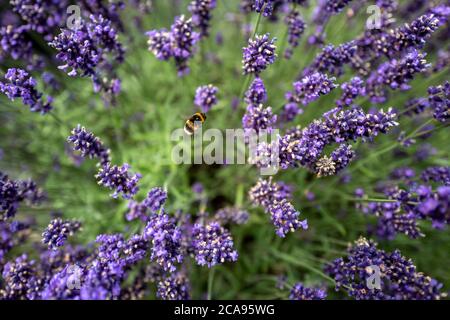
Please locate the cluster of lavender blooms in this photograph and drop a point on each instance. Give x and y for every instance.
(274, 198)
(307, 90)
(259, 54)
(56, 233)
(427, 199)
(90, 51)
(400, 279)
(296, 27)
(259, 119)
(21, 85)
(212, 244)
(437, 103)
(178, 43)
(257, 93)
(14, 192)
(206, 97)
(305, 147)
(350, 91)
(264, 6)
(201, 14)
(395, 74)
(39, 19)
(153, 203)
(118, 178)
(300, 292)
(332, 59)
(165, 237)
(89, 145)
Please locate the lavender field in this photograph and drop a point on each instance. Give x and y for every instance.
(347, 198)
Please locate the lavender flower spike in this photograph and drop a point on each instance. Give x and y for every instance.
(300, 292)
(256, 93)
(212, 245)
(205, 97)
(21, 85)
(259, 54)
(166, 239)
(89, 145)
(201, 14)
(118, 179)
(56, 233)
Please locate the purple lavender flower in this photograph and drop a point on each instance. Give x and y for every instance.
(350, 91)
(259, 54)
(137, 210)
(395, 74)
(402, 173)
(296, 27)
(63, 285)
(266, 192)
(290, 112)
(285, 218)
(90, 51)
(14, 42)
(264, 6)
(182, 41)
(12, 193)
(205, 97)
(439, 101)
(156, 198)
(12, 234)
(413, 35)
(336, 6)
(109, 10)
(21, 85)
(399, 278)
(309, 89)
(103, 280)
(434, 205)
(258, 118)
(212, 245)
(198, 188)
(42, 17)
(336, 127)
(300, 292)
(201, 14)
(437, 174)
(19, 279)
(159, 44)
(231, 215)
(57, 232)
(166, 239)
(89, 145)
(256, 93)
(342, 156)
(332, 59)
(135, 249)
(118, 179)
(174, 287)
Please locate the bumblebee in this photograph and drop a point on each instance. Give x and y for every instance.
(194, 123)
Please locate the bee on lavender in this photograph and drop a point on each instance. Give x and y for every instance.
(194, 123)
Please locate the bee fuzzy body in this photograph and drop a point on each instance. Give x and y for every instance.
(194, 123)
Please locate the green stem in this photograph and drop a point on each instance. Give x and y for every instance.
(210, 282)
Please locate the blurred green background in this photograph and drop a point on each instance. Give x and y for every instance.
(154, 102)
